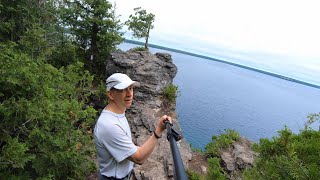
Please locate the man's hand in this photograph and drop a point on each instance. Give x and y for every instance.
(161, 126)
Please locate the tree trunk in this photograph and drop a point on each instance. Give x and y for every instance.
(147, 38)
(93, 46)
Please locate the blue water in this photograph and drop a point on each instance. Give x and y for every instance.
(216, 96)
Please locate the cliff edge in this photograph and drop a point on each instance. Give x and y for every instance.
(154, 72)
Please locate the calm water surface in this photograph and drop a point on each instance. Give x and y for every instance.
(216, 96)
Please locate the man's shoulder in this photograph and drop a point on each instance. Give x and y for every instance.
(106, 119)
(105, 125)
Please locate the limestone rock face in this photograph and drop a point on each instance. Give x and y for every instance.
(154, 72)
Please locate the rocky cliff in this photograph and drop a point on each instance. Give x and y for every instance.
(154, 72)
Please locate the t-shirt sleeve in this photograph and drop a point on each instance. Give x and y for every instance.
(119, 145)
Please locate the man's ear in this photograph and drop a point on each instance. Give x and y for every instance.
(109, 94)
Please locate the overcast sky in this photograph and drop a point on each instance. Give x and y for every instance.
(245, 31)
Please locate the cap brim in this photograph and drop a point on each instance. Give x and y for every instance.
(124, 85)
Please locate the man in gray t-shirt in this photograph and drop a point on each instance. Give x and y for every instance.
(116, 151)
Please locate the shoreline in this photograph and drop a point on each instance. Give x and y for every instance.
(226, 62)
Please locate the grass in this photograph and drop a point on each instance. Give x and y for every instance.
(171, 93)
(139, 49)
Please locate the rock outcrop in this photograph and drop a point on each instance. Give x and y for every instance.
(154, 72)
(237, 157)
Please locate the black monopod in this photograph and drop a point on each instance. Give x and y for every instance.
(173, 136)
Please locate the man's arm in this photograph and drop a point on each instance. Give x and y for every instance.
(143, 152)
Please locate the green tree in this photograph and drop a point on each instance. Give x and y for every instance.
(16, 17)
(141, 23)
(27, 23)
(35, 25)
(46, 122)
(46, 126)
(96, 29)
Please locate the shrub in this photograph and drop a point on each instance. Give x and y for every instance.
(214, 169)
(192, 175)
(46, 125)
(222, 141)
(171, 93)
(311, 119)
(102, 92)
(289, 156)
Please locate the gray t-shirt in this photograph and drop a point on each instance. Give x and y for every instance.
(112, 136)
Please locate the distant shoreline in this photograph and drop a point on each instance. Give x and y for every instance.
(226, 62)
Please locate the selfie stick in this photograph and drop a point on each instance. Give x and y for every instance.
(173, 136)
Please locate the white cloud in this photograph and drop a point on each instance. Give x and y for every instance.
(287, 27)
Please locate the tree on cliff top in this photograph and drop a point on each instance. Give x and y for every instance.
(141, 23)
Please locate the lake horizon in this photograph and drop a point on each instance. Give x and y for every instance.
(294, 78)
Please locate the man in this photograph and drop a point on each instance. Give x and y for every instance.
(116, 151)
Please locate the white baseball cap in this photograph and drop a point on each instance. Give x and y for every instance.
(120, 81)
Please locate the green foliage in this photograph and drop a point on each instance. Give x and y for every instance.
(96, 29)
(15, 154)
(220, 142)
(16, 17)
(44, 87)
(101, 92)
(141, 24)
(35, 25)
(214, 169)
(136, 49)
(193, 175)
(311, 119)
(289, 156)
(212, 150)
(47, 124)
(195, 149)
(64, 54)
(171, 93)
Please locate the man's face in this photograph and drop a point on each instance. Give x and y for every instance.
(123, 98)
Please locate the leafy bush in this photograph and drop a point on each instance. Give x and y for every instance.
(102, 92)
(222, 141)
(45, 123)
(289, 156)
(214, 169)
(212, 150)
(171, 93)
(193, 175)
